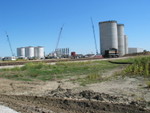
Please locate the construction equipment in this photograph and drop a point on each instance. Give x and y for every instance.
(59, 35)
(9, 44)
(94, 37)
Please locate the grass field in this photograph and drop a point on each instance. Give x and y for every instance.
(83, 72)
(42, 71)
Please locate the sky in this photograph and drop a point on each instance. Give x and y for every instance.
(38, 23)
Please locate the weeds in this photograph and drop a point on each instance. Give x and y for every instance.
(148, 84)
(91, 78)
(140, 66)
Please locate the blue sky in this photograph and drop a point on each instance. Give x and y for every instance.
(38, 22)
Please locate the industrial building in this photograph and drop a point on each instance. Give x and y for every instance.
(135, 50)
(31, 52)
(112, 36)
(12, 58)
(62, 52)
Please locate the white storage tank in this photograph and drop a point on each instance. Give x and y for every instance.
(21, 52)
(126, 43)
(39, 52)
(108, 35)
(121, 46)
(29, 52)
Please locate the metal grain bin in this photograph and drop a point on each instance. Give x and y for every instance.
(29, 52)
(39, 52)
(21, 52)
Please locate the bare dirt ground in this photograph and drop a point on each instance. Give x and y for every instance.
(122, 95)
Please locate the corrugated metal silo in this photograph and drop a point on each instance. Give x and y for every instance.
(39, 52)
(21, 52)
(36, 52)
(108, 35)
(126, 43)
(18, 52)
(121, 46)
(29, 52)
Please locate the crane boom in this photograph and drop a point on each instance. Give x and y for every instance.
(94, 36)
(9, 44)
(59, 36)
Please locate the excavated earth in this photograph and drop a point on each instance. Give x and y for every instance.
(128, 95)
(35, 104)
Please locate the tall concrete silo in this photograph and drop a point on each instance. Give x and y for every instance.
(39, 52)
(108, 35)
(21, 52)
(121, 46)
(29, 52)
(126, 43)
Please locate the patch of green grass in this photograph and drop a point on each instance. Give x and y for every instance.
(140, 66)
(91, 78)
(42, 71)
(130, 60)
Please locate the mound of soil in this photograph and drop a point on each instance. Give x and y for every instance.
(64, 101)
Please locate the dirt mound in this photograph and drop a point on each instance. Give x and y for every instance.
(56, 97)
(95, 96)
(34, 104)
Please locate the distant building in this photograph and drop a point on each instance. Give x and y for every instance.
(62, 52)
(135, 50)
(9, 58)
(1, 58)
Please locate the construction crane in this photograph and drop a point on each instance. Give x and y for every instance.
(59, 35)
(9, 44)
(94, 37)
